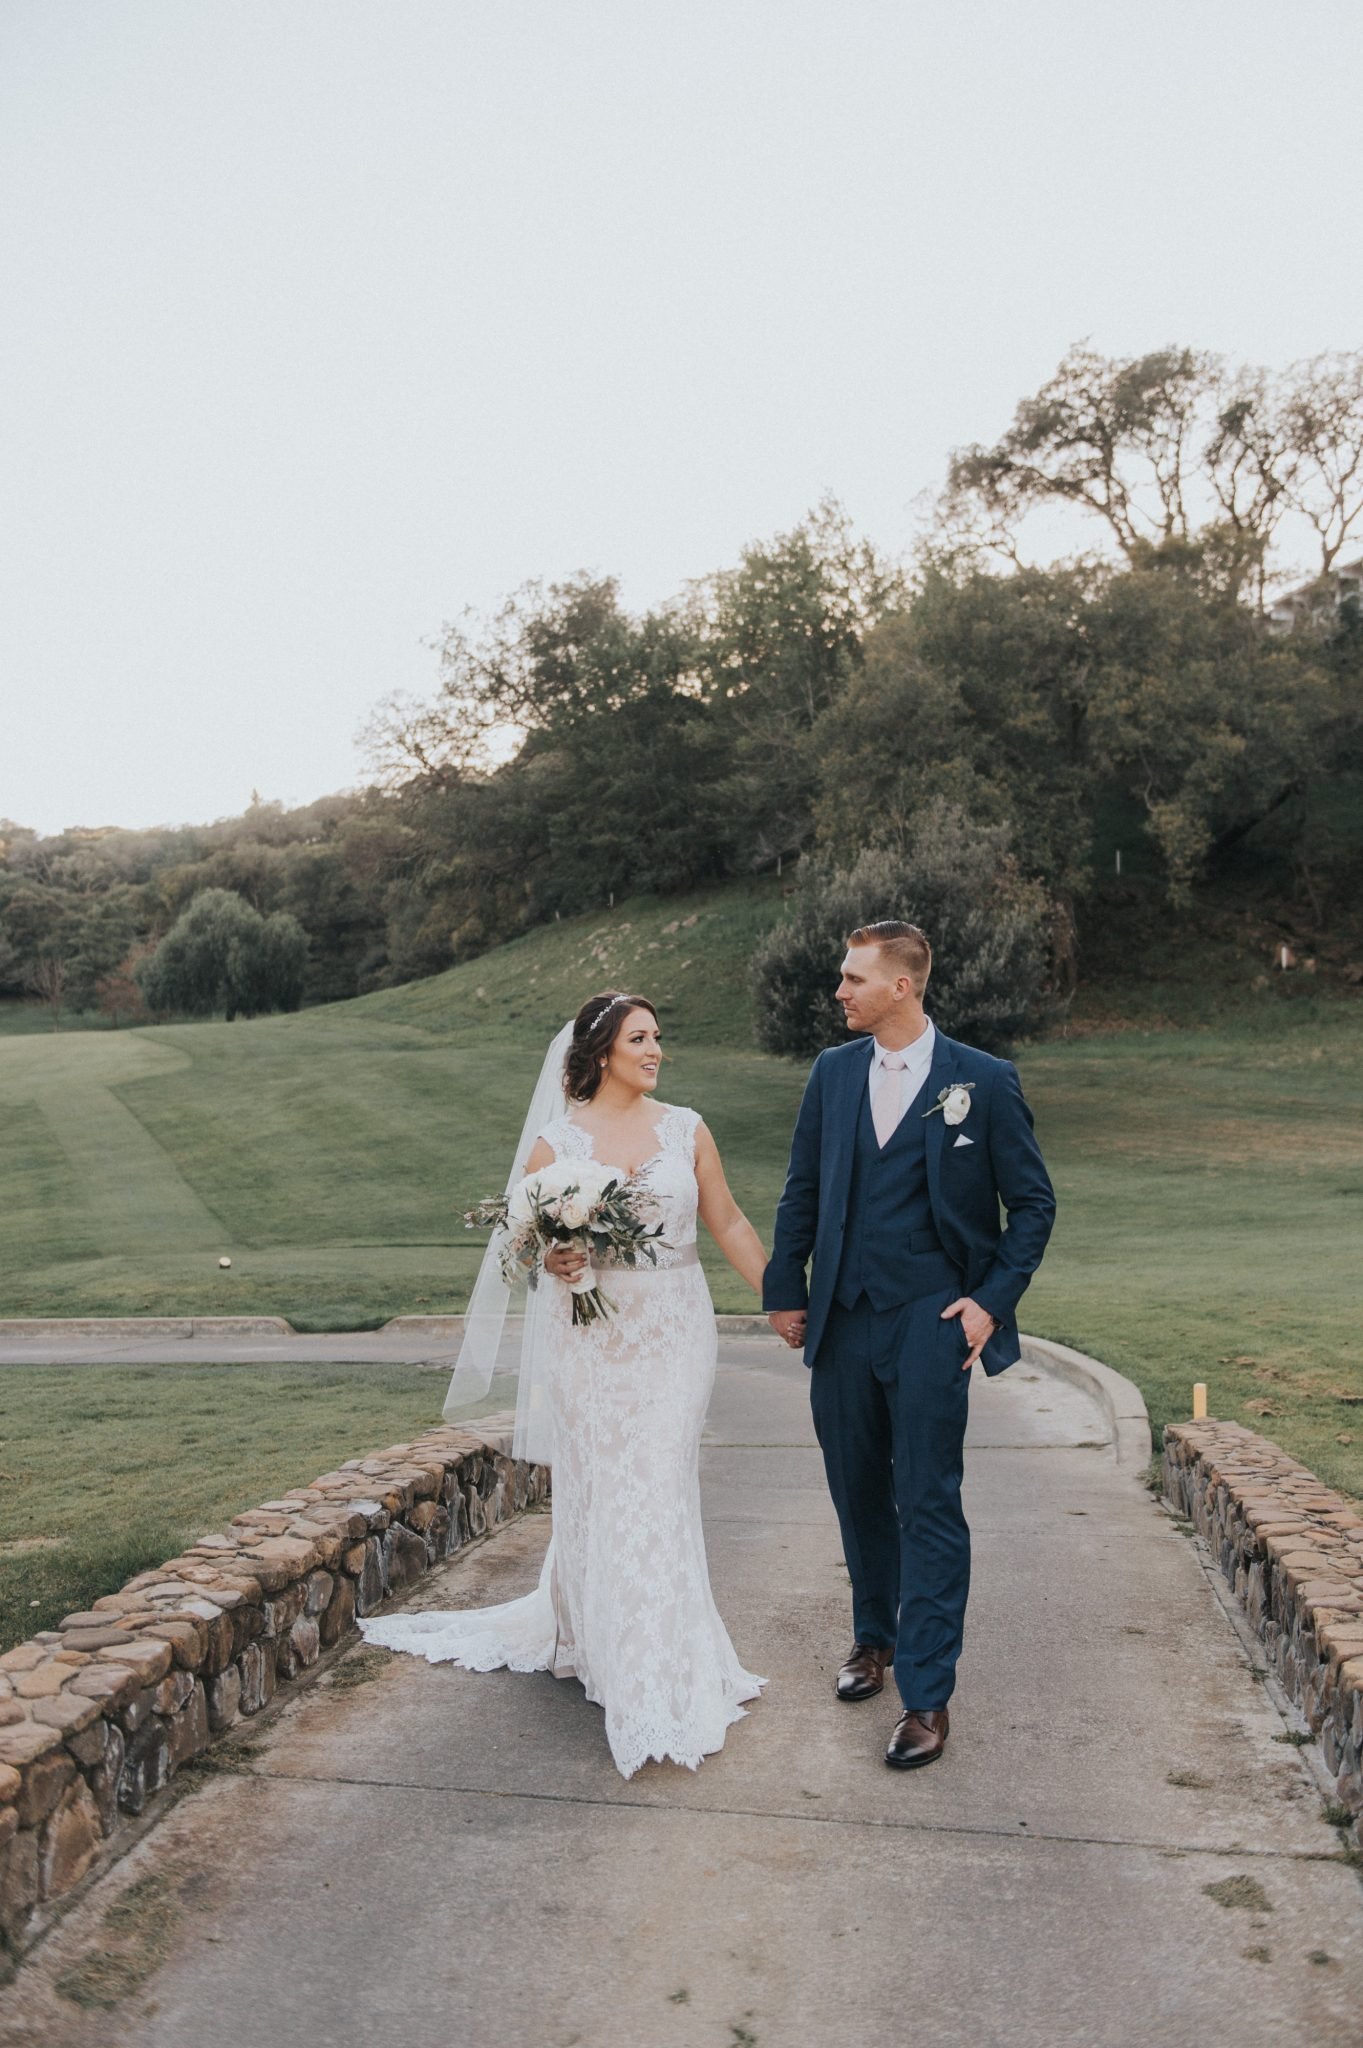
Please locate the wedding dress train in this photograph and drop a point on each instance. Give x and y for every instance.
(624, 1601)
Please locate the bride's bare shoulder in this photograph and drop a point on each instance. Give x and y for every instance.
(541, 1154)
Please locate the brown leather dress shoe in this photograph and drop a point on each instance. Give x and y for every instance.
(863, 1675)
(919, 1739)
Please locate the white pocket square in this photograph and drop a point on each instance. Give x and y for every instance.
(963, 1140)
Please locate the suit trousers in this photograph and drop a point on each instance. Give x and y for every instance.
(890, 1402)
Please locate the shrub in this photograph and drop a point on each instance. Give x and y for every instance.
(221, 955)
(958, 880)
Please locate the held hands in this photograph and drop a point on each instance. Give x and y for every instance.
(978, 1324)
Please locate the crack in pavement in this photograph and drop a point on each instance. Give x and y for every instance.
(1020, 1832)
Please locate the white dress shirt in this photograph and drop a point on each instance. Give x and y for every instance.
(917, 1059)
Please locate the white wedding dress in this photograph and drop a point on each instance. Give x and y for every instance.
(624, 1601)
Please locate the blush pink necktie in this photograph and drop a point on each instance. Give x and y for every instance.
(887, 1111)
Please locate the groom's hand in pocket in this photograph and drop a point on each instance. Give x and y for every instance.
(978, 1324)
(790, 1325)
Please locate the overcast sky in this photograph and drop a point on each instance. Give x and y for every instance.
(324, 319)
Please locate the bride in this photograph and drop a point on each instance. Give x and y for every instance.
(617, 1406)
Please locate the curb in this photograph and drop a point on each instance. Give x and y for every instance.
(113, 1328)
(1118, 1398)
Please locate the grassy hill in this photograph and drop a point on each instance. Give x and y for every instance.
(688, 954)
(1210, 1178)
(330, 1154)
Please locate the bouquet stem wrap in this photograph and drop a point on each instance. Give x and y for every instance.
(590, 1303)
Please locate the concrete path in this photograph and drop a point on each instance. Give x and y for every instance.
(408, 1344)
(430, 1857)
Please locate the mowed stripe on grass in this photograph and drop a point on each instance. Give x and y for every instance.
(111, 1188)
(133, 1197)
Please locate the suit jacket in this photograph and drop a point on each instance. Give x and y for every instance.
(966, 1183)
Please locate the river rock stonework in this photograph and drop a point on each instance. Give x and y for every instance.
(97, 1715)
(1293, 1552)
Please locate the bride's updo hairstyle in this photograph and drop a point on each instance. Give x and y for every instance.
(596, 1027)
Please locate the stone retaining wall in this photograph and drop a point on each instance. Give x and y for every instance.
(96, 1715)
(1293, 1552)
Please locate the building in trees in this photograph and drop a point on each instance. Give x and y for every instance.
(1319, 602)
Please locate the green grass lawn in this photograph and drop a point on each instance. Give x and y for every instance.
(23, 1016)
(1210, 1179)
(1211, 1223)
(77, 1444)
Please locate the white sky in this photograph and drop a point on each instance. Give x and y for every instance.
(325, 318)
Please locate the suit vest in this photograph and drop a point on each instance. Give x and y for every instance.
(889, 1215)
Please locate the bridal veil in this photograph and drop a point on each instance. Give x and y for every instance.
(503, 1358)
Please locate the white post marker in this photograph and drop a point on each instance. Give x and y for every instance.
(1200, 1401)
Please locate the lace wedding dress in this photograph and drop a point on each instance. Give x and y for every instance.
(624, 1601)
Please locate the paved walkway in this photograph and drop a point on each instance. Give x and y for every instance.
(403, 1343)
(430, 1857)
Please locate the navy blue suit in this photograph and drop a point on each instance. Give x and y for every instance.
(895, 1234)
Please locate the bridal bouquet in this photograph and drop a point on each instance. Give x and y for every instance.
(572, 1202)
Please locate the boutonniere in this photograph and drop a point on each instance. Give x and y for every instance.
(954, 1103)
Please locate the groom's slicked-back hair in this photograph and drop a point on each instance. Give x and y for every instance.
(905, 948)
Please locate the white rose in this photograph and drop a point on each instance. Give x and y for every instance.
(520, 1207)
(574, 1210)
(956, 1107)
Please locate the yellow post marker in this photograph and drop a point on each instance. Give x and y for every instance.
(1199, 1401)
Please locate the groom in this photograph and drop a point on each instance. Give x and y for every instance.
(906, 1144)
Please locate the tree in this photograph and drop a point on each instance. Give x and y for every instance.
(221, 955)
(269, 967)
(978, 694)
(118, 993)
(1035, 699)
(1250, 463)
(47, 979)
(1164, 448)
(956, 880)
(549, 657)
(1114, 436)
(779, 639)
(90, 896)
(616, 782)
(576, 751)
(1211, 725)
(1324, 421)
